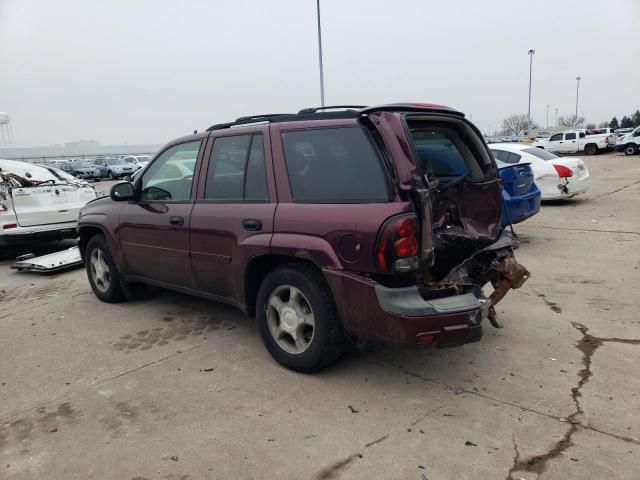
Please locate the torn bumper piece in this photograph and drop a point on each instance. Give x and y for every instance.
(53, 262)
(402, 317)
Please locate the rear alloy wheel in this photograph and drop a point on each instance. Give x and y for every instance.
(101, 270)
(298, 319)
(591, 149)
(630, 149)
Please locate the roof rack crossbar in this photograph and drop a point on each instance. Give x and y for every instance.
(260, 118)
(330, 107)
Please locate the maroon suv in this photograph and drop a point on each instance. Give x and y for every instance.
(379, 223)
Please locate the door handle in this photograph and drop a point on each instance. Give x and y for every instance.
(252, 225)
(561, 142)
(178, 221)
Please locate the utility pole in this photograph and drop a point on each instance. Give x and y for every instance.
(320, 56)
(577, 90)
(556, 118)
(530, 52)
(547, 115)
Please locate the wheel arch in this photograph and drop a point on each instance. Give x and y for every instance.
(259, 267)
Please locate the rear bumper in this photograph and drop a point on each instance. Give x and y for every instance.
(518, 209)
(401, 316)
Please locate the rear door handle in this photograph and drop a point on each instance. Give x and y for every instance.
(252, 225)
(178, 221)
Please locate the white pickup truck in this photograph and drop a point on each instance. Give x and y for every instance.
(575, 141)
(629, 143)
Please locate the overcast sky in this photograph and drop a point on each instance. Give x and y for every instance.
(129, 71)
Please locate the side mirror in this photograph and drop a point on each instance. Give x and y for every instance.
(122, 191)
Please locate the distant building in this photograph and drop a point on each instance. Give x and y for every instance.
(82, 144)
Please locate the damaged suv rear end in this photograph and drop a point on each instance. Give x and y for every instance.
(379, 223)
(433, 261)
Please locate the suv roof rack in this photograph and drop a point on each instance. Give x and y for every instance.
(342, 111)
(285, 117)
(331, 107)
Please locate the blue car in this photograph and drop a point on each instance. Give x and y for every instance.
(520, 194)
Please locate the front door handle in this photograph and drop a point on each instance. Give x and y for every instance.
(252, 225)
(177, 221)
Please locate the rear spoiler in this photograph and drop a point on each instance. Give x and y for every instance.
(412, 107)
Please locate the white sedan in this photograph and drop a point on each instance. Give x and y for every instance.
(37, 205)
(556, 177)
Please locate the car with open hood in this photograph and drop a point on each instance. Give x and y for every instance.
(335, 223)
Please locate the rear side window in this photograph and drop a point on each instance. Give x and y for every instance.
(569, 136)
(506, 157)
(334, 165)
(237, 170)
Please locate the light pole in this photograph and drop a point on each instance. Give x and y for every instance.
(530, 52)
(577, 90)
(320, 56)
(556, 118)
(547, 116)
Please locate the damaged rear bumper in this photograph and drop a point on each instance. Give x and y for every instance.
(409, 317)
(401, 316)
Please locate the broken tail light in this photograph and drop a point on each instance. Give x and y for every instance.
(563, 172)
(398, 246)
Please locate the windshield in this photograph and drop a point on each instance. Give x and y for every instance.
(540, 153)
(115, 161)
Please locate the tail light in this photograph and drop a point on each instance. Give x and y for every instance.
(563, 171)
(398, 246)
(7, 226)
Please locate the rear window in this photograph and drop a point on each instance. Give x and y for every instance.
(334, 165)
(540, 153)
(444, 151)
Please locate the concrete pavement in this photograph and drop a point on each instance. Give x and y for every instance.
(173, 387)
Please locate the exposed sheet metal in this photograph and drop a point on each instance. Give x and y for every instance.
(53, 262)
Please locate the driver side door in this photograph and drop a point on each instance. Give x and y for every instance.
(154, 229)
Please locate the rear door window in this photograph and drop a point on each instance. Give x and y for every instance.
(569, 136)
(334, 165)
(237, 170)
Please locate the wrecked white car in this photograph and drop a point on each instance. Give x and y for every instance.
(38, 206)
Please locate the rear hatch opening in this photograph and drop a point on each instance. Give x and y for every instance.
(461, 198)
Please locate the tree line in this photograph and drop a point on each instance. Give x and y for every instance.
(517, 124)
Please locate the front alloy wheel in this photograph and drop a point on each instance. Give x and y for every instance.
(100, 273)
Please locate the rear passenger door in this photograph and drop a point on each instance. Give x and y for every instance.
(232, 220)
(570, 144)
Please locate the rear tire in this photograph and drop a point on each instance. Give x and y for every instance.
(630, 149)
(102, 272)
(591, 149)
(287, 297)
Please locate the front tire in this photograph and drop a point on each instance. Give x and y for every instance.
(591, 149)
(630, 149)
(103, 274)
(298, 319)
(110, 175)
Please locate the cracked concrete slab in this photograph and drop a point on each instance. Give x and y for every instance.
(171, 387)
